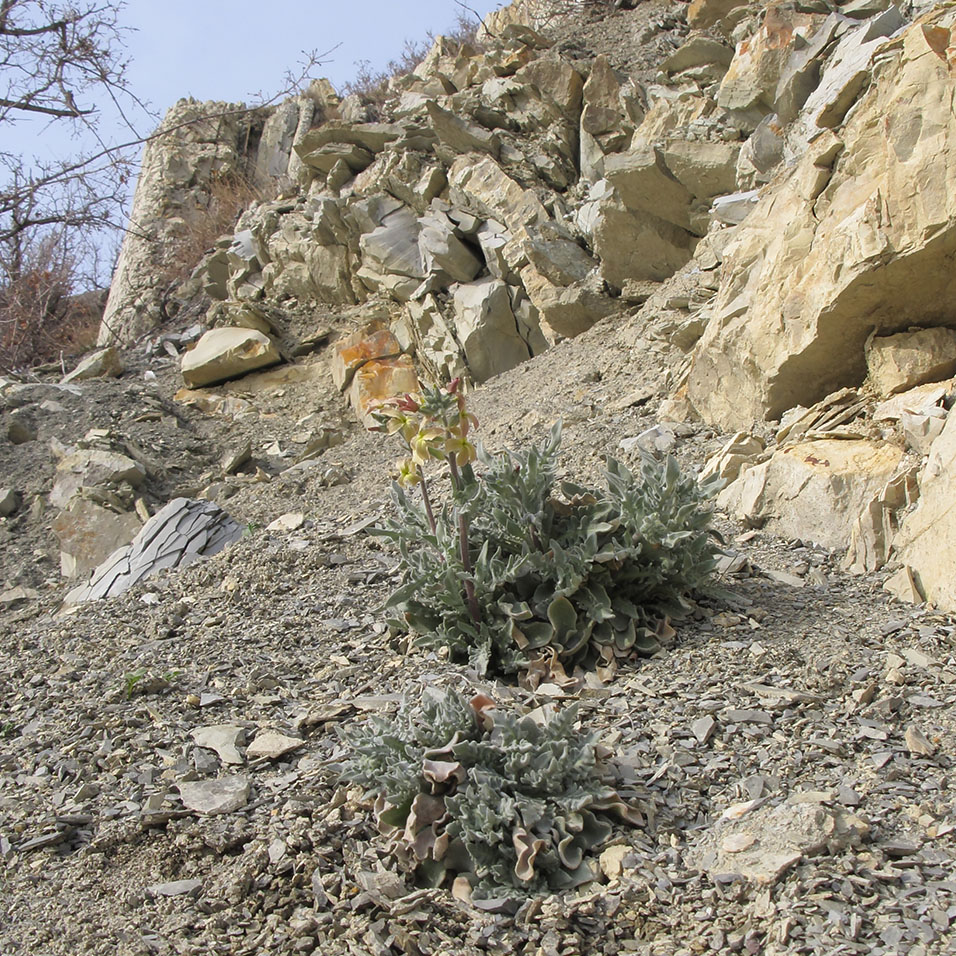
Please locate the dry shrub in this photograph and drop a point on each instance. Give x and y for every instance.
(373, 85)
(41, 319)
(228, 195)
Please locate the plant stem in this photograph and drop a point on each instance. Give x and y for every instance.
(426, 499)
(470, 595)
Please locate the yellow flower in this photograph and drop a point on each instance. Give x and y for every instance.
(461, 448)
(423, 445)
(408, 473)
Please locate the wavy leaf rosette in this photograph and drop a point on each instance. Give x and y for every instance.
(515, 804)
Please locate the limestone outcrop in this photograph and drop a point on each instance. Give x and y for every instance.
(855, 238)
(774, 198)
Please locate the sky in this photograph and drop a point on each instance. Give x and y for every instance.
(239, 51)
(233, 49)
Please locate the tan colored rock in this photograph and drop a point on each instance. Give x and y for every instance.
(643, 183)
(9, 502)
(227, 353)
(843, 245)
(750, 84)
(443, 252)
(761, 844)
(705, 13)
(92, 467)
(460, 135)
(564, 311)
(379, 380)
(195, 144)
(873, 531)
(603, 115)
(101, 363)
(487, 328)
(374, 341)
(697, 51)
(436, 349)
(632, 245)
(902, 585)
(899, 362)
(813, 490)
(725, 464)
(705, 169)
(373, 137)
(480, 183)
(393, 246)
(557, 81)
(271, 745)
(926, 542)
(88, 534)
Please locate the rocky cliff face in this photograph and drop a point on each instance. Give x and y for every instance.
(769, 186)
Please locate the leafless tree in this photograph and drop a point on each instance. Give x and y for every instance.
(62, 62)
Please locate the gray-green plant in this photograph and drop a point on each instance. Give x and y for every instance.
(515, 803)
(516, 568)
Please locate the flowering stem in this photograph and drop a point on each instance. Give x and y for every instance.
(426, 498)
(470, 595)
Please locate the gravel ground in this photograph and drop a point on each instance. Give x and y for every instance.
(808, 687)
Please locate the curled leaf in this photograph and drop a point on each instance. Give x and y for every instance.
(527, 847)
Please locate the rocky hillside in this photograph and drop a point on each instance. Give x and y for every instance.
(712, 230)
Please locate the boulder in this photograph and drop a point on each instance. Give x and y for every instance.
(197, 147)
(898, 362)
(103, 362)
(926, 543)
(813, 490)
(275, 144)
(845, 75)
(9, 502)
(222, 354)
(738, 451)
(733, 209)
(479, 183)
(90, 468)
(557, 82)
(459, 135)
(443, 252)
(697, 51)
(704, 169)
(564, 311)
(843, 246)
(801, 72)
(874, 529)
(327, 157)
(379, 380)
(88, 534)
(702, 14)
(393, 246)
(633, 246)
(373, 341)
(487, 329)
(643, 183)
(177, 535)
(436, 349)
(373, 137)
(749, 87)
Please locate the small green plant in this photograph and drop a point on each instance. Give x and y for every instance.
(512, 802)
(142, 681)
(132, 679)
(513, 572)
